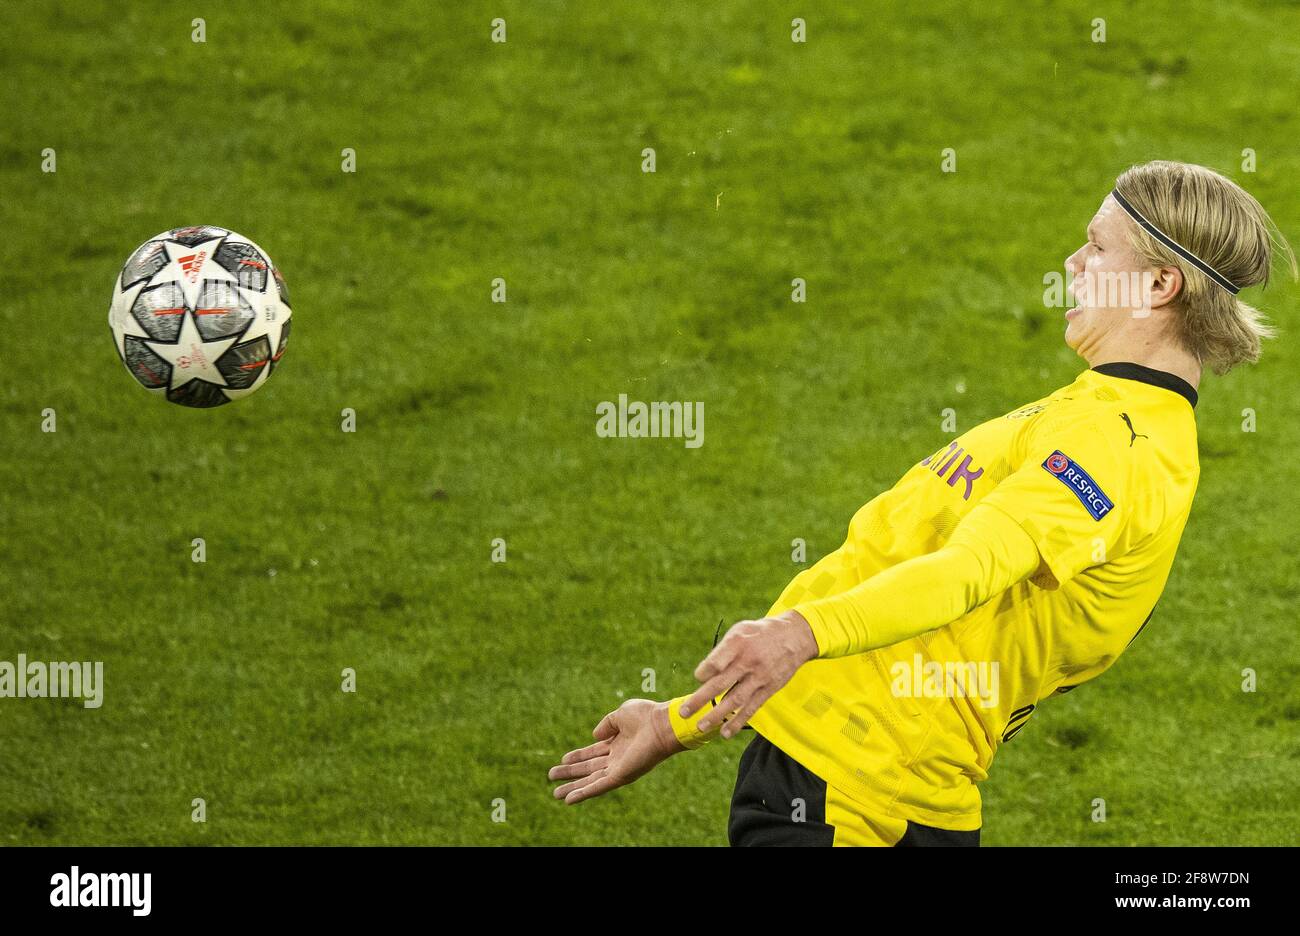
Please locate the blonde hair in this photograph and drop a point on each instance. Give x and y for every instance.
(1222, 224)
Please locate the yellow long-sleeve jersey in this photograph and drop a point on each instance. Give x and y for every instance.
(1101, 476)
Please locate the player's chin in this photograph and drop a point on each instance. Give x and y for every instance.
(1074, 329)
(1080, 322)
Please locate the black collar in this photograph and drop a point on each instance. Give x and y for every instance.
(1149, 375)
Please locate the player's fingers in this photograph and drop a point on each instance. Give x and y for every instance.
(602, 784)
(572, 771)
(734, 700)
(738, 721)
(586, 753)
(565, 791)
(700, 697)
(607, 728)
(719, 658)
(571, 766)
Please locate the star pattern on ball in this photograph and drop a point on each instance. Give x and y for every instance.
(123, 322)
(190, 357)
(268, 313)
(189, 267)
(190, 284)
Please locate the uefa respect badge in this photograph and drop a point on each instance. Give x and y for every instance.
(1073, 476)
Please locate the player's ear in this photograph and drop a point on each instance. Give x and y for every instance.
(1166, 284)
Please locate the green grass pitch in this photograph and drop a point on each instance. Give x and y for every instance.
(476, 420)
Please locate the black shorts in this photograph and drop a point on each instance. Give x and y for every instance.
(778, 801)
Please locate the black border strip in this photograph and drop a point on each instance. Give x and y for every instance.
(1149, 375)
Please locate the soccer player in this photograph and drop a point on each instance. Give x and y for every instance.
(1011, 564)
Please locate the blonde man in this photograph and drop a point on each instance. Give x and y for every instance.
(1014, 563)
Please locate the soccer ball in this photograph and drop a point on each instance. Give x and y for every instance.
(200, 315)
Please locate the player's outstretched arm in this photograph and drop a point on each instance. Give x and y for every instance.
(630, 742)
(987, 553)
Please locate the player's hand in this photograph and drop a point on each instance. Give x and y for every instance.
(630, 742)
(749, 664)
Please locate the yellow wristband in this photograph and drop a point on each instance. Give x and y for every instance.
(684, 728)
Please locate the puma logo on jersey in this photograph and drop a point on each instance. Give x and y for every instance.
(1136, 435)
